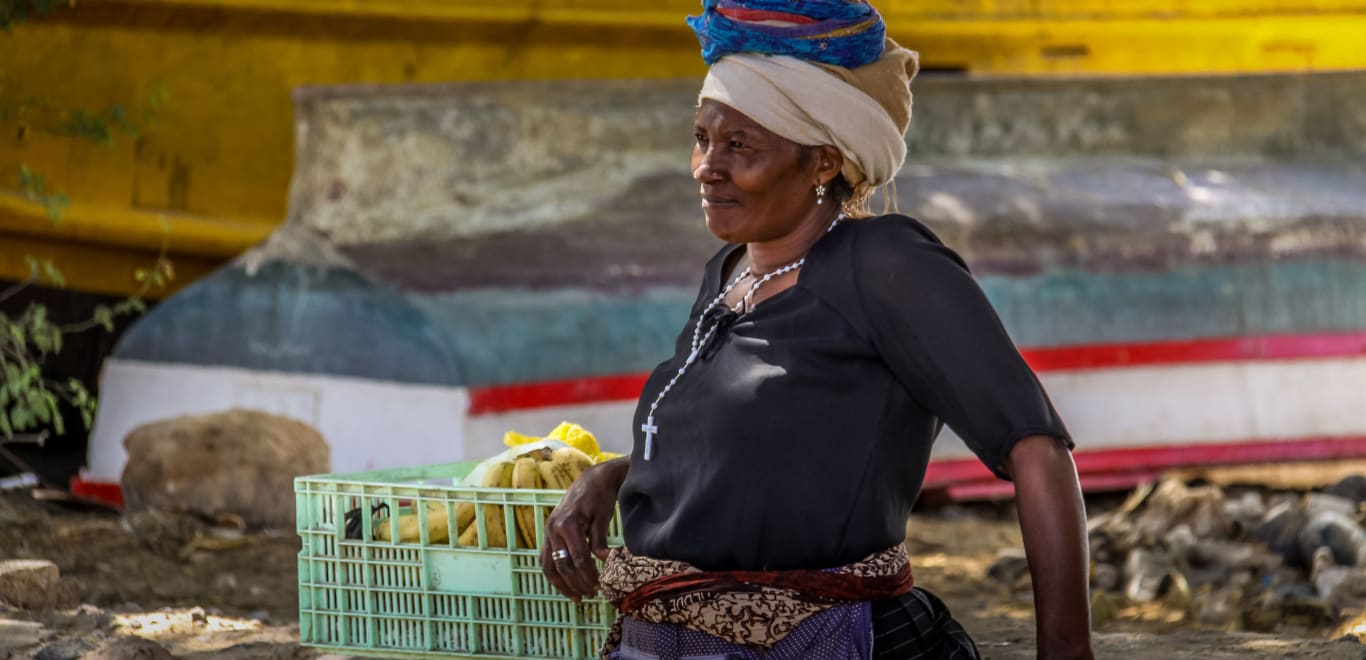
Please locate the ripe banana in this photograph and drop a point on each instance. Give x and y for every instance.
(572, 459)
(554, 475)
(409, 526)
(464, 516)
(498, 476)
(469, 537)
(525, 474)
(464, 511)
(493, 523)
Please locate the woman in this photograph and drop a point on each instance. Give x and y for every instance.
(778, 452)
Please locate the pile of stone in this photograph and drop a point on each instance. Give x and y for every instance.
(1246, 561)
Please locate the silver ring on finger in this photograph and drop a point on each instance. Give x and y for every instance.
(560, 555)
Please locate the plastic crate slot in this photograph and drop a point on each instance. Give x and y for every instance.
(384, 603)
(396, 555)
(340, 601)
(352, 573)
(498, 639)
(401, 634)
(449, 607)
(547, 642)
(326, 572)
(355, 631)
(553, 612)
(423, 533)
(447, 636)
(416, 630)
(404, 603)
(532, 585)
(358, 601)
(540, 525)
(328, 628)
(332, 512)
(390, 576)
(493, 609)
(530, 611)
(422, 633)
(326, 600)
(322, 513)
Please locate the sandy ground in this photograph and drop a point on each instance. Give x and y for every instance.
(240, 603)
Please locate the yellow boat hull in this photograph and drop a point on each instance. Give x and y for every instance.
(214, 164)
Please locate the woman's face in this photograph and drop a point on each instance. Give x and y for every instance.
(754, 185)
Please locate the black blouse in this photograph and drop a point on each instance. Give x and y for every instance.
(800, 439)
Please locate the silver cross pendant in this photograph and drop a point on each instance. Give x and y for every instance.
(650, 430)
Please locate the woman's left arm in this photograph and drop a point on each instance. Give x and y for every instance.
(935, 329)
(1053, 522)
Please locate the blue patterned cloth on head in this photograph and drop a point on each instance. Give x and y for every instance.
(847, 33)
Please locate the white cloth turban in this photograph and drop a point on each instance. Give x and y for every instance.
(809, 105)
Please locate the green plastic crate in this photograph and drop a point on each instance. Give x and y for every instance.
(422, 600)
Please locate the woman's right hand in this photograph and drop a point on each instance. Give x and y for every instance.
(578, 525)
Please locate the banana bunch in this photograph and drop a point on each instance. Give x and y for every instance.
(537, 469)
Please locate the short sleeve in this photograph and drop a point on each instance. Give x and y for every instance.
(938, 334)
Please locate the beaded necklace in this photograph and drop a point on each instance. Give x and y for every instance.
(699, 339)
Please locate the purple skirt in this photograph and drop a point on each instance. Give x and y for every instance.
(916, 626)
(842, 632)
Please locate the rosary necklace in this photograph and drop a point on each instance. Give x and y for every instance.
(700, 339)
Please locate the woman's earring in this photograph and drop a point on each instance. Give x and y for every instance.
(820, 193)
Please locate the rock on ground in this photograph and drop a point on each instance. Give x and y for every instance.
(16, 635)
(239, 463)
(34, 584)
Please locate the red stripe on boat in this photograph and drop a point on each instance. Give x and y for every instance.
(1117, 469)
(503, 398)
(738, 14)
(1268, 347)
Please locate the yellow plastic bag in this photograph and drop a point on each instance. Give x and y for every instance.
(569, 433)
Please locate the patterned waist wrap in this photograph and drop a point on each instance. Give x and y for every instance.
(749, 608)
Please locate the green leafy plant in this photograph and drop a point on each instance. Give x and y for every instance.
(34, 188)
(34, 114)
(28, 398)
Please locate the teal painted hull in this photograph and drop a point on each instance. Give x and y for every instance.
(342, 325)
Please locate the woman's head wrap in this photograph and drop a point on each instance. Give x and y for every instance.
(857, 102)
